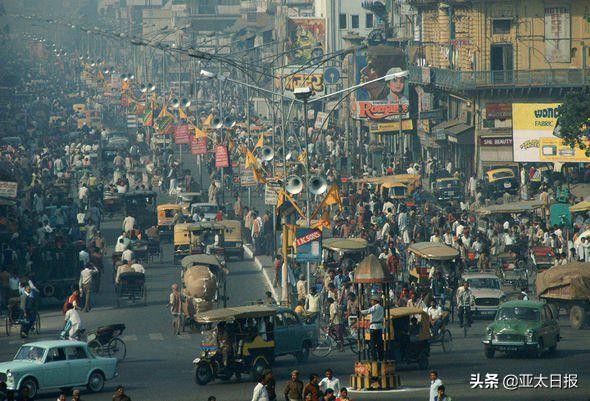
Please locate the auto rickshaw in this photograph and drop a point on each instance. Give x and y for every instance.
(232, 242)
(498, 181)
(427, 255)
(448, 189)
(197, 238)
(184, 199)
(347, 251)
(243, 336)
(142, 206)
(166, 217)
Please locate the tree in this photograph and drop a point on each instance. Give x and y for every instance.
(574, 119)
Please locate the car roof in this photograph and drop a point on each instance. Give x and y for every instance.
(522, 303)
(55, 343)
(479, 275)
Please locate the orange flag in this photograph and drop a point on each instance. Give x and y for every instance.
(324, 220)
(260, 142)
(199, 133)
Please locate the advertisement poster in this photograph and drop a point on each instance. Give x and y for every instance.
(557, 33)
(533, 138)
(386, 100)
(308, 245)
(8, 189)
(198, 145)
(293, 78)
(221, 157)
(181, 134)
(306, 39)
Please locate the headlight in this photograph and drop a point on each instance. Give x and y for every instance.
(489, 332)
(530, 336)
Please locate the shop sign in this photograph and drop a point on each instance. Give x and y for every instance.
(308, 245)
(498, 110)
(221, 157)
(181, 134)
(496, 141)
(376, 128)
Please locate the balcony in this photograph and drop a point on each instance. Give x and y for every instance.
(454, 80)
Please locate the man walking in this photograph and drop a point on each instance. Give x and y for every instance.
(120, 394)
(86, 283)
(435, 383)
(260, 393)
(294, 388)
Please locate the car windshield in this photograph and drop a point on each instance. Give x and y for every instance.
(206, 209)
(29, 353)
(448, 183)
(484, 283)
(518, 313)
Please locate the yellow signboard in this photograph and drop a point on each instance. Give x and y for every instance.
(533, 126)
(393, 127)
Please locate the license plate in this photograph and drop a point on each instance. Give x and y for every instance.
(507, 185)
(507, 348)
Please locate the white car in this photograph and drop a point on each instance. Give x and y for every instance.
(208, 209)
(51, 365)
(487, 291)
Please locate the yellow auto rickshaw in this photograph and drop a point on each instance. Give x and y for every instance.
(498, 181)
(427, 255)
(198, 238)
(167, 217)
(232, 242)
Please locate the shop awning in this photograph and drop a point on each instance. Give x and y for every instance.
(461, 134)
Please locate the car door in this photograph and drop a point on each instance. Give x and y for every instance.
(281, 334)
(55, 369)
(78, 364)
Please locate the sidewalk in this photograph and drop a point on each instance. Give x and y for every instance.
(265, 264)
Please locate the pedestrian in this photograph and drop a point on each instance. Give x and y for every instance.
(330, 382)
(86, 284)
(73, 299)
(277, 266)
(301, 288)
(294, 388)
(128, 223)
(270, 385)
(312, 389)
(440, 394)
(259, 393)
(120, 394)
(73, 317)
(435, 382)
(329, 395)
(175, 304)
(343, 395)
(268, 299)
(61, 397)
(76, 395)
(335, 320)
(27, 304)
(375, 328)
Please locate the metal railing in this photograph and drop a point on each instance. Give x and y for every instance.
(475, 80)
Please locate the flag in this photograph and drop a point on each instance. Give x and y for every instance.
(182, 114)
(301, 157)
(99, 76)
(124, 86)
(164, 112)
(332, 197)
(251, 160)
(231, 145)
(286, 196)
(258, 176)
(260, 142)
(148, 118)
(199, 133)
(207, 121)
(324, 220)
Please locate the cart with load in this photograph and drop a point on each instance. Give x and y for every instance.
(131, 287)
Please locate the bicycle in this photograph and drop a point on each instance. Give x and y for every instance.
(104, 341)
(328, 340)
(465, 318)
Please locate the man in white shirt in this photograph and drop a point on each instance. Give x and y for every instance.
(83, 193)
(260, 393)
(312, 301)
(435, 382)
(73, 317)
(137, 267)
(435, 316)
(84, 257)
(128, 223)
(330, 382)
(375, 328)
(86, 283)
(127, 255)
(120, 246)
(387, 207)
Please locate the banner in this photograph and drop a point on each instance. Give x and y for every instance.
(382, 100)
(221, 157)
(533, 137)
(308, 245)
(181, 134)
(8, 189)
(198, 145)
(247, 177)
(305, 39)
(293, 78)
(557, 33)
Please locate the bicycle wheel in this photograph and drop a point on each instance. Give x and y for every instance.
(116, 348)
(353, 343)
(446, 340)
(324, 345)
(96, 348)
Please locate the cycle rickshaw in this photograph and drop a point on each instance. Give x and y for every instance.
(105, 341)
(15, 317)
(131, 287)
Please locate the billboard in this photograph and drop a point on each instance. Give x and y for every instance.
(382, 100)
(306, 39)
(294, 78)
(308, 245)
(557, 33)
(533, 138)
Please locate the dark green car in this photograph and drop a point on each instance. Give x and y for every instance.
(527, 326)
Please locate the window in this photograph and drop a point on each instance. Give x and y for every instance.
(75, 353)
(55, 355)
(342, 21)
(369, 21)
(354, 23)
(501, 26)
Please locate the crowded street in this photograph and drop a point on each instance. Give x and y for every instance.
(227, 200)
